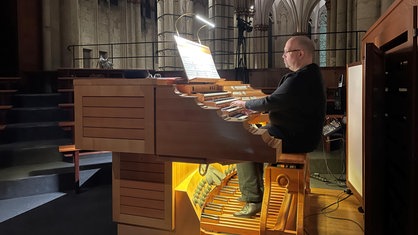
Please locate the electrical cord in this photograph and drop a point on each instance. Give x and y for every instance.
(324, 212)
(338, 179)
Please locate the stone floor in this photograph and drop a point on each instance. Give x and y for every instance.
(327, 172)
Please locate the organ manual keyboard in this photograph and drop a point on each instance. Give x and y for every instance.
(173, 152)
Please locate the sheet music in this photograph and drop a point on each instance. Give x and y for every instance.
(197, 59)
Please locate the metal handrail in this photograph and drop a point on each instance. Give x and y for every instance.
(156, 53)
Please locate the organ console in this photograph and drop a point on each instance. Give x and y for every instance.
(174, 149)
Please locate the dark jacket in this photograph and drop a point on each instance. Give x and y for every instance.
(296, 109)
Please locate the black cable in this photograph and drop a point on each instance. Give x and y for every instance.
(337, 179)
(325, 213)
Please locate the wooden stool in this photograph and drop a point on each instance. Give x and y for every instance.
(75, 154)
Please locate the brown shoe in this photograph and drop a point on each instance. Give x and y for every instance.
(249, 210)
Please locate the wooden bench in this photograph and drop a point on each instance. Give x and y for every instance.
(291, 172)
(299, 159)
(73, 152)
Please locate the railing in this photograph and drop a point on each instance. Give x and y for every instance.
(146, 55)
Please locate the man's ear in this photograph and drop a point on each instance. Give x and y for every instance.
(301, 53)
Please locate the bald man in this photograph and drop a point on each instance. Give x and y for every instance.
(296, 111)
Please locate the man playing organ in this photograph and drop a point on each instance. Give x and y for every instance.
(296, 111)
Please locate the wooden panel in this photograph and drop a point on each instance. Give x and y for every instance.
(29, 24)
(132, 134)
(143, 202)
(126, 229)
(390, 128)
(142, 184)
(150, 167)
(186, 130)
(135, 175)
(143, 191)
(110, 144)
(113, 122)
(397, 20)
(141, 211)
(114, 114)
(117, 101)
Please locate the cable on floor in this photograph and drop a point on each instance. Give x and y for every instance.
(325, 213)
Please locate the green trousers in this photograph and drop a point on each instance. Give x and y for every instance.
(250, 179)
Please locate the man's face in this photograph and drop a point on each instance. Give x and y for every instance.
(291, 53)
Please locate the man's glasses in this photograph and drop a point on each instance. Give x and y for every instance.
(285, 52)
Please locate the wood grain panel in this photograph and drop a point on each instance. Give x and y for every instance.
(144, 196)
(132, 157)
(132, 134)
(139, 193)
(112, 144)
(114, 122)
(122, 108)
(186, 130)
(112, 101)
(146, 167)
(144, 212)
(146, 176)
(113, 112)
(127, 229)
(142, 185)
(391, 25)
(142, 202)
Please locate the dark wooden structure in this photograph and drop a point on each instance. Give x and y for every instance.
(390, 122)
(22, 49)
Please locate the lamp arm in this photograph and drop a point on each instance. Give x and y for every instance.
(197, 34)
(181, 16)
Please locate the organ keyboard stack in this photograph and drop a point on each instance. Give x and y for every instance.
(174, 149)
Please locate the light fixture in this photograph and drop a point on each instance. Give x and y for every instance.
(206, 23)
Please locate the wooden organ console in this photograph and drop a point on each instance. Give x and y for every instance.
(173, 152)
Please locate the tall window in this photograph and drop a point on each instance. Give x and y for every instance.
(322, 25)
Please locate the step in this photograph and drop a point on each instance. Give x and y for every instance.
(31, 152)
(37, 114)
(33, 179)
(7, 83)
(16, 132)
(37, 100)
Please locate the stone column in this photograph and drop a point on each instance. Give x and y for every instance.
(259, 43)
(341, 38)
(352, 40)
(259, 47)
(51, 35)
(167, 13)
(221, 13)
(384, 5)
(332, 27)
(70, 21)
(368, 12)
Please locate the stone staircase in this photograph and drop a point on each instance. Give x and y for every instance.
(32, 131)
